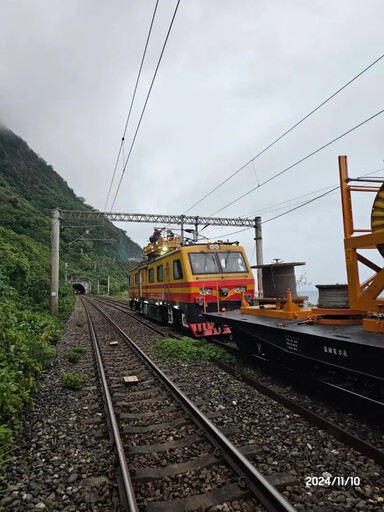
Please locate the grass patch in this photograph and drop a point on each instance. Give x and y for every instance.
(73, 382)
(189, 349)
(75, 354)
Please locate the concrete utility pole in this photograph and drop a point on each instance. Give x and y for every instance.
(108, 286)
(259, 255)
(55, 253)
(98, 286)
(66, 274)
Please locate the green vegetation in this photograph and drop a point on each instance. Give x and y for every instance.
(190, 350)
(73, 382)
(75, 354)
(29, 189)
(26, 347)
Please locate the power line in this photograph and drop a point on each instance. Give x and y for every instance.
(335, 187)
(304, 195)
(146, 101)
(264, 210)
(299, 161)
(130, 107)
(285, 133)
(303, 204)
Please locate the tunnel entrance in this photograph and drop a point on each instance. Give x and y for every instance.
(79, 288)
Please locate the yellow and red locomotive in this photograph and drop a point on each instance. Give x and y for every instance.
(179, 283)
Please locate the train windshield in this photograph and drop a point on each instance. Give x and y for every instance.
(232, 262)
(203, 263)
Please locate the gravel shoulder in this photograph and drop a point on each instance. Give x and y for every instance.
(291, 443)
(61, 460)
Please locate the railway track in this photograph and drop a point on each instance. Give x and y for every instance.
(341, 434)
(141, 419)
(344, 436)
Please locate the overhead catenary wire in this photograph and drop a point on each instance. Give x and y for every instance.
(284, 134)
(269, 208)
(298, 162)
(146, 101)
(329, 192)
(131, 105)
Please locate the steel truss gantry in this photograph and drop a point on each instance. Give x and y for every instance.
(157, 219)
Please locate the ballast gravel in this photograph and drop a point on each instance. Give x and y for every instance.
(60, 460)
(290, 444)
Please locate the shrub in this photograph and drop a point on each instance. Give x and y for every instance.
(188, 349)
(24, 349)
(73, 382)
(75, 354)
(5, 443)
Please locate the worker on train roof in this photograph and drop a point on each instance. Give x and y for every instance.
(156, 235)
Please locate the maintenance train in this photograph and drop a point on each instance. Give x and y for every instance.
(178, 284)
(209, 290)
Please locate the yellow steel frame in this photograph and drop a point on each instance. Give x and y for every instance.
(363, 296)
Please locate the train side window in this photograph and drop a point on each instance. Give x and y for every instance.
(130, 280)
(177, 270)
(160, 274)
(137, 278)
(151, 275)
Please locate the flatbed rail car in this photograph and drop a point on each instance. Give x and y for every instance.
(308, 345)
(178, 283)
(340, 335)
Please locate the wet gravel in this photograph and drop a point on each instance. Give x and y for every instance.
(172, 425)
(61, 460)
(292, 445)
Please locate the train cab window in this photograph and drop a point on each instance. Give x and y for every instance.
(232, 262)
(177, 270)
(160, 274)
(151, 275)
(203, 263)
(130, 280)
(137, 278)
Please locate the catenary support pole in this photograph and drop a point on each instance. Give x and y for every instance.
(108, 283)
(66, 274)
(55, 252)
(259, 255)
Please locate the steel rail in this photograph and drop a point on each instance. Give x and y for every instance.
(270, 497)
(129, 497)
(337, 432)
(112, 303)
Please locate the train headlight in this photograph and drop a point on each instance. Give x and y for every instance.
(214, 246)
(240, 289)
(205, 291)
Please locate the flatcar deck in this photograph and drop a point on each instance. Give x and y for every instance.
(347, 346)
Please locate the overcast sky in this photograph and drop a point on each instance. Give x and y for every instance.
(235, 75)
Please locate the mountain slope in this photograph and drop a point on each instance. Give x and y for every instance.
(30, 188)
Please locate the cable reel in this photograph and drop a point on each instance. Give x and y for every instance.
(377, 217)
